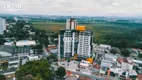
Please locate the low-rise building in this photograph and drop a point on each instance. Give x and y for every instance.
(13, 62)
(15, 56)
(104, 46)
(9, 43)
(6, 51)
(23, 43)
(33, 57)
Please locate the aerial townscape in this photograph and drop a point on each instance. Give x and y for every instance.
(30, 53)
(70, 40)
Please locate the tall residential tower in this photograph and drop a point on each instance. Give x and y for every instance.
(67, 44)
(2, 26)
(85, 42)
(74, 40)
(71, 24)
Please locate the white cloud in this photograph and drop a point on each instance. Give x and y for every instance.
(76, 7)
(116, 4)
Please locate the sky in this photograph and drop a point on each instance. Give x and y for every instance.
(73, 7)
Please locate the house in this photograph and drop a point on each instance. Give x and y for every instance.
(104, 46)
(52, 49)
(124, 68)
(138, 64)
(33, 57)
(110, 57)
(105, 65)
(99, 56)
(84, 67)
(134, 52)
(108, 61)
(84, 63)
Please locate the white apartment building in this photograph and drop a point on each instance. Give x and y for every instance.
(85, 43)
(2, 26)
(67, 45)
(74, 40)
(71, 24)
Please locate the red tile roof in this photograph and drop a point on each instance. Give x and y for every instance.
(68, 73)
(120, 60)
(96, 66)
(50, 47)
(84, 78)
(139, 76)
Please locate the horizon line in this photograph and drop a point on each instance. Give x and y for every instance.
(73, 15)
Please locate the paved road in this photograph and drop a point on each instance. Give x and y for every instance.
(95, 77)
(89, 76)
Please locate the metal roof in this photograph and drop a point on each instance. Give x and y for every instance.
(6, 48)
(5, 54)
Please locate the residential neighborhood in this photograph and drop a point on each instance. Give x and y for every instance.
(73, 49)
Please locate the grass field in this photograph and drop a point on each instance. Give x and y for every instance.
(99, 29)
(49, 27)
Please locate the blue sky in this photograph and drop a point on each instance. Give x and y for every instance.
(73, 7)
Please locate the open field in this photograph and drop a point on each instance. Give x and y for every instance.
(108, 33)
(49, 27)
(99, 29)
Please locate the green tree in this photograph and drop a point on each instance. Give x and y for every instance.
(140, 55)
(2, 77)
(61, 72)
(1, 40)
(35, 70)
(52, 58)
(125, 52)
(38, 48)
(113, 51)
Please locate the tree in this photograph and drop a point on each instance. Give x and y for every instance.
(35, 70)
(61, 72)
(38, 48)
(1, 40)
(114, 51)
(140, 55)
(125, 52)
(52, 58)
(2, 77)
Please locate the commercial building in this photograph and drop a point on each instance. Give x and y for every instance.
(2, 26)
(12, 57)
(25, 43)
